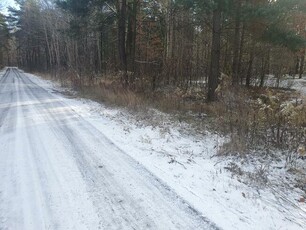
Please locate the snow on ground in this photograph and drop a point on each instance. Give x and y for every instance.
(287, 82)
(300, 85)
(187, 163)
(59, 172)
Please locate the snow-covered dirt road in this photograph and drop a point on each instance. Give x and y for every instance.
(57, 171)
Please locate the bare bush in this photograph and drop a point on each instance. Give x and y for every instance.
(265, 118)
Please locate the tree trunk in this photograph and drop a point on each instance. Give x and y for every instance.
(236, 44)
(250, 66)
(215, 55)
(170, 30)
(262, 75)
(265, 68)
(131, 33)
(297, 65)
(302, 63)
(239, 68)
(121, 40)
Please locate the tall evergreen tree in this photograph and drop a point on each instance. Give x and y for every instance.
(4, 38)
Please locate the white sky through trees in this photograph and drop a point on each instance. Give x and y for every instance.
(4, 4)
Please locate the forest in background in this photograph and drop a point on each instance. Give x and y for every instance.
(197, 50)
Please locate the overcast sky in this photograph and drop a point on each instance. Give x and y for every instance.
(6, 3)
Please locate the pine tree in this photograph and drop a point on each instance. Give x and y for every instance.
(4, 38)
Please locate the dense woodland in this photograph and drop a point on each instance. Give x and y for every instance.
(165, 42)
(157, 44)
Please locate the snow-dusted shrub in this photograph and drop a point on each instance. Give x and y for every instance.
(267, 121)
(284, 121)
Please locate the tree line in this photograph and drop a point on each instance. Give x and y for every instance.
(158, 43)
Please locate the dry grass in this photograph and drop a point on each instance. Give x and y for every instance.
(250, 117)
(113, 94)
(261, 118)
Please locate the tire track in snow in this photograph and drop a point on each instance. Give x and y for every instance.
(124, 193)
(4, 87)
(97, 180)
(7, 155)
(51, 190)
(97, 136)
